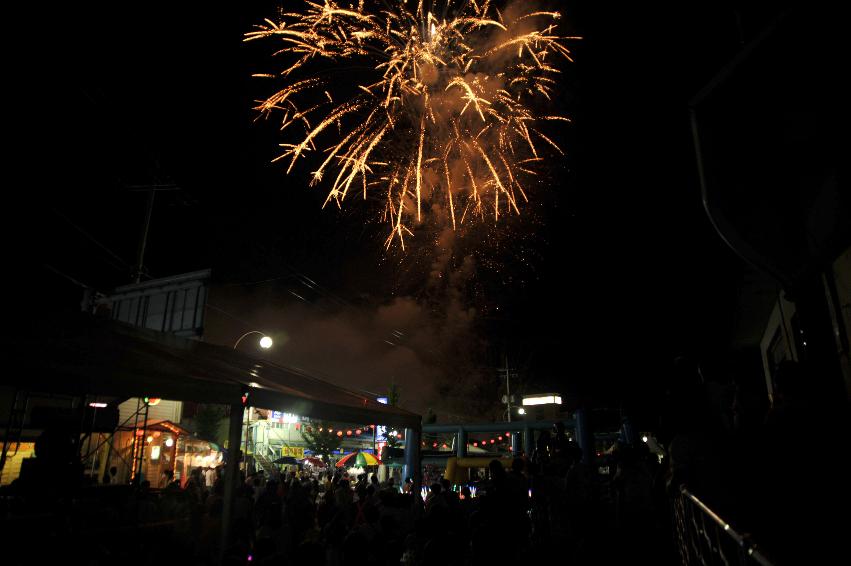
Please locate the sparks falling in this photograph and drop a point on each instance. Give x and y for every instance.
(444, 129)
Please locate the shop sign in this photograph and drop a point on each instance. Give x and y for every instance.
(294, 451)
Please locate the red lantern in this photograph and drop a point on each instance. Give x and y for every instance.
(358, 431)
(348, 433)
(339, 433)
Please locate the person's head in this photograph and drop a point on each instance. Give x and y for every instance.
(390, 481)
(113, 471)
(409, 480)
(558, 429)
(518, 465)
(466, 493)
(436, 488)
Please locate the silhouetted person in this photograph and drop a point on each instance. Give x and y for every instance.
(696, 443)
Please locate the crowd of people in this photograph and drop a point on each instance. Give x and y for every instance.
(548, 502)
(530, 509)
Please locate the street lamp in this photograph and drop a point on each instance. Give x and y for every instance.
(265, 341)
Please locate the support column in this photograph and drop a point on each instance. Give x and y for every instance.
(528, 441)
(231, 478)
(461, 443)
(584, 436)
(628, 432)
(516, 448)
(413, 468)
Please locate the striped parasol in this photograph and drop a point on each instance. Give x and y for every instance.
(358, 459)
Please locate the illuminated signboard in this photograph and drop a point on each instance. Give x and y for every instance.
(542, 400)
(294, 451)
(280, 417)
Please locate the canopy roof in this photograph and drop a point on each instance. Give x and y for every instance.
(83, 354)
(161, 425)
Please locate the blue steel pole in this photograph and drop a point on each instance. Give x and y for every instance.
(461, 443)
(628, 432)
(529, 441)
(584, 436)
(413, 469)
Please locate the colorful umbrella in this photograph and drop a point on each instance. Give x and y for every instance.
(314, 462)
(358, 459)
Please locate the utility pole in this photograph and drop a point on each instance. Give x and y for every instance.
(152, 190)
(508, 399)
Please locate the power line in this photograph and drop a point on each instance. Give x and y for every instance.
(124, 266)
(65, 276)
(226, 313)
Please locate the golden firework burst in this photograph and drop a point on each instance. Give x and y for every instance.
(445, 124)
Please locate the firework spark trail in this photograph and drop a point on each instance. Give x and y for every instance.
(446, 123)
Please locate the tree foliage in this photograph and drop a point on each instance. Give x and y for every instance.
(207, 421)
(319, 440)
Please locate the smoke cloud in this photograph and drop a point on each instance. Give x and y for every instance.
(429, 345)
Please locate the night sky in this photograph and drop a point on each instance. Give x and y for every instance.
(617, 272)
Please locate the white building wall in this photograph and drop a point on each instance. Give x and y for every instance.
(164, 410)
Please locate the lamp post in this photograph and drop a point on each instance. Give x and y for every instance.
(265, 341)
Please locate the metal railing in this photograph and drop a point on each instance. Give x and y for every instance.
(264, 455)
(706, 539)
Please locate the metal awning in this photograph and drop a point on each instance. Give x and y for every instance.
(82, 354)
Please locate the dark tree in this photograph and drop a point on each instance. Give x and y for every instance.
(319, 439)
